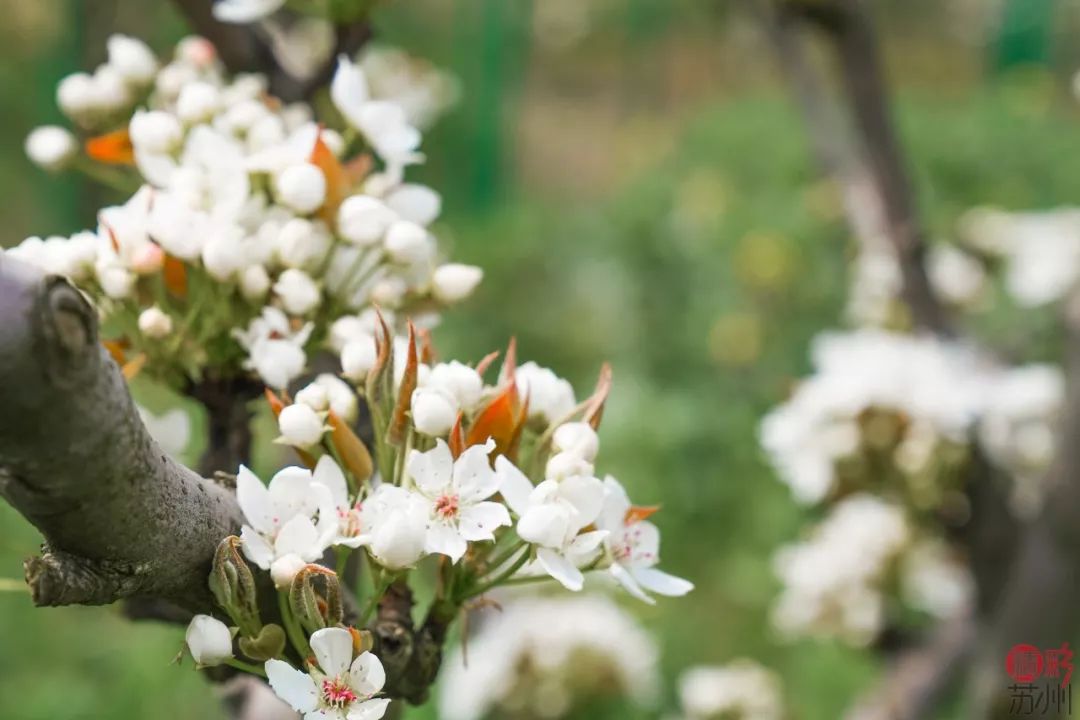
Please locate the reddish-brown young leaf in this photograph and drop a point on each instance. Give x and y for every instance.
(116, 349)
(337, 179)
(457, 437)
(509, 366)
(498, 420)
(132, 367)
(112, 148)
(174, 275)
(486, 362)
(276, 403)
(594, 408)
(637, 513)
(351, 449)
(400, 419)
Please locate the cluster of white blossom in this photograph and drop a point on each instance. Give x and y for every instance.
(545, 657)
(252, 228)
(504, 491)
(740, 690)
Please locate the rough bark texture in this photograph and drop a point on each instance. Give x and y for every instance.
(120, 518)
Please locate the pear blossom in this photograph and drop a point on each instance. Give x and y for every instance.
(415, 203)
(314, 396)
(301, 187)
(132, 59)
(433, 411)
(350, 523)
(51, 147)
(457, 493)
(384, 124)
(453, 282)
(275, 350)
(301, 426)
(632, 547)
(552, 516)
(254, 282)
(155, 323)
(293, 517)
(338, 686)
(395, 526)
(358, 358)
(741, 689)
(407, 243)
(340, 396)
(76, 95)
(297, 291)
(208, 640)
(245, 11)
(363, 220)
(550, 397)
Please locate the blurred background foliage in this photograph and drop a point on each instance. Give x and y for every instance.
(632, 178)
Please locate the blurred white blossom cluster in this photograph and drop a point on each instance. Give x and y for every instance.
(251, 227)
(880, 436)
(469, 483)
(739, 690)
(545, 657)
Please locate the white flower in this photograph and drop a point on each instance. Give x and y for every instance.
(578, 438)
(223, 254)
(132, 59)
(314, 396)
(352, 327)
(302, 243)
(341, 397)
(76, 95)
(552, 515)
(457, 493)
(155, 132)
(339, 688)
(433, 411)
(383, 123)
(155, 323)
(111, 92)
(454, 282)
(550, 397)
(407, 243)
(300, 426)
(245, 11)
(301, 187)
(633, 548)
(458, 381)
(51, 147)
(208, 640)
(358, 358)
(275, 350)
(351, 530)
(254, 283)
(395, 522)
(363, 220)
(935, 580)
(415, 203)
(284, 570)
(197, 102)
(115, 281)
(280, 518)
(298, 292)
(742, 689)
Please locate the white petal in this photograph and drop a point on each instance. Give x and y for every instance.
(616, 504)
(445, 540)
(349, 91)
(369, 709)
(294, 687)
(290, 492)
(433, 469)
(367, 675)
(586, 543)
(298, 536)
(630, 584)
(329, 474)
(256, 548)
(478, 522)
(545, 525)
(333, 650)
(513, 485)
(661, 583)
(473, 476)
(586, 494)
(254, 500)
(561, 569)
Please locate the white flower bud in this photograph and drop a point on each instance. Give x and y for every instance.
(76, 95)
(454, 282)
(301, 243)
(254, 283)
(407, 243)
(301, 187)
(389, 291)
(298, 292)
(578, 438)
(551, 398)
(266, 133)
(300, 426)
(115, 281)
(416, 203)
(315, 397)
(148, 259)
(358, 358)
(198, 101)
(51, 147)
(284, 569)
(209, 641)
(342, 399)
(155, 131)
(173, 78)
(196, 51)
(567, 464)
(333, 140)
(223, 256)
(155, 323)
(363, 220)
(132, 59)
(349, 327)
(110, 91)
(433, 412)
(459, 381)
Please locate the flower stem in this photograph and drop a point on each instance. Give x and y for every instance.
(246, 667)
(292, 628)
(502, 578)
(385, 581)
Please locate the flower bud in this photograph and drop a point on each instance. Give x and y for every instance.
(233, 586)
(407, 243)
(301, 243)
(454, 282)
(315, 598)
(315, 397)
(567, 464)
(298, 292)
(154, 323)
(196, 51)
(208, 640)
(416, 203)
(173, 78)
(433, 412)
(269, 643)
(284, 569)
(198, 101)
(300, 426)
(132, 59)
(110, 90)
(358, 358)
(389, 291)
(254, 283)
(363, 220)
(222, 256)
(341, 397)
(301, 187)
(334, 141)
(148, 259)
(155, 131)
(459, 381)
(578, 438)
(115, 280)
(76, 95)
(51, 147)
